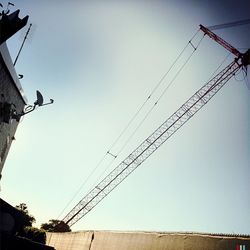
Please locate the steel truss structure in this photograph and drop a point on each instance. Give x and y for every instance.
(151, 144)
(160, 135)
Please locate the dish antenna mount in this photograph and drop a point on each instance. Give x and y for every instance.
(38, 103)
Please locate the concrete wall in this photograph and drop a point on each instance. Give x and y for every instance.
(11, 92)
(108, 240)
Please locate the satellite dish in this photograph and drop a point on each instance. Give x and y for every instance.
(30, 108)
(39, 100)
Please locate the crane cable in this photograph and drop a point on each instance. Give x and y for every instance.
(153, 91)
(133, 118)
(170, 83)
(82, 185)
(154, 105)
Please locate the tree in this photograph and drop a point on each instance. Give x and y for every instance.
(26, 230)
(56, 226)
(34, 234)
(28, 219)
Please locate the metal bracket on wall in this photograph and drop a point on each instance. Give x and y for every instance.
(8, 110)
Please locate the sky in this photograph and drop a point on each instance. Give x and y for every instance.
(99, 61)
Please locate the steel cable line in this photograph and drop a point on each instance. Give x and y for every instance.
(82, 185)
(167, 87)
(151, 109)
(179, 71)
(229, 25)
(222, 62)
(152, 143)
(128, 125)
(153, 91)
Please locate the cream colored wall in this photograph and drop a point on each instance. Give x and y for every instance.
(108, 240)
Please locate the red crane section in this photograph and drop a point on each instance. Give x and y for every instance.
(219, 40)
(161, 134)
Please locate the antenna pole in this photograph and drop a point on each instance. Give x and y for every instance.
(26, 35)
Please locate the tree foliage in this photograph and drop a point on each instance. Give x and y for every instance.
(28, 219)
(27, 231)
(56, 226)
(34, 234)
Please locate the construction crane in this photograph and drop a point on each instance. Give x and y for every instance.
(162, 133)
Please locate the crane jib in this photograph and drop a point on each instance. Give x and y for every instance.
(162, 133)
(152, 143)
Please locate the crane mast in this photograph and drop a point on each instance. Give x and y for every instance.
(160, 135)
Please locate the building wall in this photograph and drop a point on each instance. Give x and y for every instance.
(114, 240)
(10, 92)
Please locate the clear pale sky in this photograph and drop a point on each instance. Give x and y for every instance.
(99, 61)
